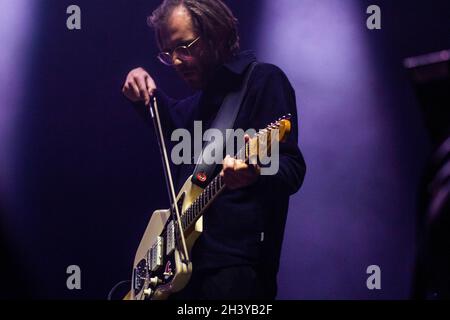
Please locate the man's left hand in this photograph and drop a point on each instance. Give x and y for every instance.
(238, 174)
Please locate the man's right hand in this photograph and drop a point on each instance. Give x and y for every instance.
(139, 86)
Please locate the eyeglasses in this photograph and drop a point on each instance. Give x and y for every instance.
(182, 53)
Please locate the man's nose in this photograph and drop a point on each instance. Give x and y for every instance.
(175, 60)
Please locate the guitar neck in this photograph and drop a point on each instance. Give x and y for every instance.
(209, 194)
(253, 150)
(212, 191)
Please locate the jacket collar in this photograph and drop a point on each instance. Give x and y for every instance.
(239, 63)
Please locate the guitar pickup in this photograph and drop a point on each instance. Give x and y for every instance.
(170, 238)
(156, 255)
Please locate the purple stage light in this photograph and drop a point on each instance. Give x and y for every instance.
(356, 207)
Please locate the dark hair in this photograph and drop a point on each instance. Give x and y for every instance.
(212, 19)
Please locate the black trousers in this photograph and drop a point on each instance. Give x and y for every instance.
(230, 283)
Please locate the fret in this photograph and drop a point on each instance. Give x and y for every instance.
(188, 217)
(239, 155)
(183, 222)
(252, 146)
(262, 140)
(247, 149)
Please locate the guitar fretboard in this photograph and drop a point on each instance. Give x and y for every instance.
(195, 210)
(213, 189)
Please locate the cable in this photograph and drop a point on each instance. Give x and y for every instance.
(115, 287)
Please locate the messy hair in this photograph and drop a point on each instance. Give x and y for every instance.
(212, 20)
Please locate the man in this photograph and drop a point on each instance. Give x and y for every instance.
(237, 256)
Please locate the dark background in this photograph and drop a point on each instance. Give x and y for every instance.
(86, 174)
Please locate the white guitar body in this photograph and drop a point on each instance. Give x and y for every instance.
(173, 263)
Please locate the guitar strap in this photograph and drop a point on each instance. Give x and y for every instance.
(225, 118)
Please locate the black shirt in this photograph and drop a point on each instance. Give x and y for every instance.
(234, 224)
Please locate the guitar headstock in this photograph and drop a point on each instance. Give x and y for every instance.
(260, 146)
(284, 127)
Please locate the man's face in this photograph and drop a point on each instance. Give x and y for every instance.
(179, 31)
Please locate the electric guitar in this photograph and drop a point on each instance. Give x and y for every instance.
(159, 267)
